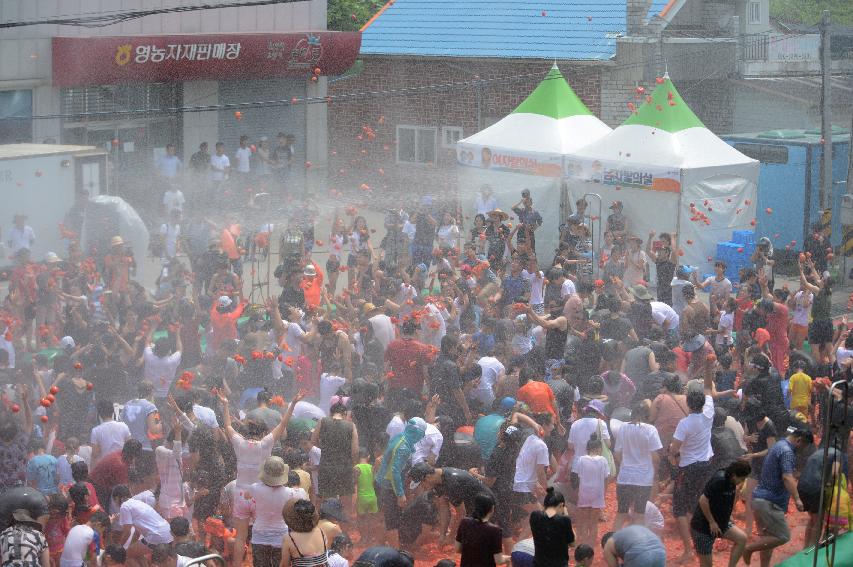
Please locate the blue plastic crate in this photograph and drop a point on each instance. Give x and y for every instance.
(744, 237)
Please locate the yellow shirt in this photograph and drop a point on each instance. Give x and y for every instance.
(800, 386)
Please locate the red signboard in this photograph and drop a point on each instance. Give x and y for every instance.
(172, 58)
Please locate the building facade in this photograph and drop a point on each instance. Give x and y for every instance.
(123, 86)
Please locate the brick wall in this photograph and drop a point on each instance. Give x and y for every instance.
(354, 161)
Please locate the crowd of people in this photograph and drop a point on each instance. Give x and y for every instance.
(456, 387)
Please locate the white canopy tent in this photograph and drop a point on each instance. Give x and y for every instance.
(671, 174)
(525, 151)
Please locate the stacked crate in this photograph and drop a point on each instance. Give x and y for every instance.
(737, 253)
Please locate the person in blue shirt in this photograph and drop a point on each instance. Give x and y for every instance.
(392, 495)
(41, 470)
(770, 498)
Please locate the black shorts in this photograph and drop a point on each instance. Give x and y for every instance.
(689, 484)
(811, 502)
(333, 265)
(820, 331)
(630, 496)
(703, 542)
(391, 511)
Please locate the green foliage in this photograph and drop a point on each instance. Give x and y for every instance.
(809, 11)
(350, 15)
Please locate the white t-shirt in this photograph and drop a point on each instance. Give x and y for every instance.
(171, 480)
(694, 432)
(304, 409)
(76, 546)
(242, 156)
(802, 308)
(290, 344)
(663, 313)
(174, 200)
(448, 236)
(637, 442)
(146, 520)
(160, 371)
(678, 301)
(580, 433)
(264, 504)
(842, 355)
(110, 436)
(146, 496)
(20, 238)
(250, 456)
(432, 336)
(492, 370)
(218, 165)
(383, 329)
(592, 473)
(536, 280)
(533, 452)
(170, 233)
(484, 206)
(724, 328)
(429, 446)
(653, 519)
(567, 289)
(329, 385)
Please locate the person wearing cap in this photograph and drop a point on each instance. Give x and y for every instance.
(454, 487)
(23, 542)
(691, 451)
(617, 222)
(775, 488)
(224, 314)
(262, 504)
(392, 495)
(20, 236)
(312, 284)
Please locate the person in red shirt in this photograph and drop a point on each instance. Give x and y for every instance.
(112, 469)
(776, 314)
(223, 320)
(407, 360)
(538, 396)
(312, 284)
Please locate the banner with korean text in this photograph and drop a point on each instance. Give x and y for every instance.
(178, 58)
(623, 174)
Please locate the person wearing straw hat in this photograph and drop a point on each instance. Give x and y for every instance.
(21, 235)
(262, 504)
(117, 266)
(497, 234)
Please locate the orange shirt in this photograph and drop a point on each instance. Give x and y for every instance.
(224, 325)
(312, 288)
(538, 396)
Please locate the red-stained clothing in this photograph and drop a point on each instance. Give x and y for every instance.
(313, 288)
(777, 326)
(109, 472)
(55, 530)
(224, 325)
(407, 358)
(744, 304)
(117, 268)
(539, 397)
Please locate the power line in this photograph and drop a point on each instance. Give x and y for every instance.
(104, 19)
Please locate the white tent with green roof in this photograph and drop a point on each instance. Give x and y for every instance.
(525, 150)
(671, 174)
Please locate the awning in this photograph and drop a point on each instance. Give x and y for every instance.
(178, 58)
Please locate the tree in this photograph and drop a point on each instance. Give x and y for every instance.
(350, 15)
(808, 12)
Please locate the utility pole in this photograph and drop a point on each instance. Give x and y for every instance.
(825, 115)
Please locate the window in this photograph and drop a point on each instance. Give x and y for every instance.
(16, 117)
(754, 12)
(765, 153)
(450, 135)
(416, 144)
